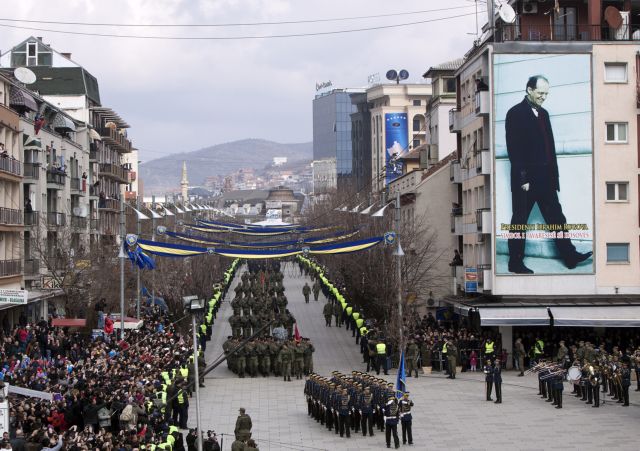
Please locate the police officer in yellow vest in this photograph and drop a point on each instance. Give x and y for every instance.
(181, 408)
(538, 349)
(489, 349)
(381, 357)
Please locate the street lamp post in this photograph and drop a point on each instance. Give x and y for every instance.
(399, 254)
(138, 275)
(195, 306)
(153, 238)
(122, 257)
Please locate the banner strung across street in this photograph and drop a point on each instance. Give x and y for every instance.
(543, 180)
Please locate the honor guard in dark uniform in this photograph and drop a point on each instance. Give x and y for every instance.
(595, 386)
(391, 415)
(625, 382)
(488, 378)
(405, 418)
(497, 381)
(344, 413)
(557, 387)
(366, 407)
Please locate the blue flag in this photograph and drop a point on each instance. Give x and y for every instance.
(401, 383)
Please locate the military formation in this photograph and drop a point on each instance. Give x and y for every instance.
(260, 314)
(359, 403)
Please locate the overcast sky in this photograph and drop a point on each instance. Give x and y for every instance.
(182, 95)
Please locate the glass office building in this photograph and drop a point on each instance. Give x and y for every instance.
(332, 131)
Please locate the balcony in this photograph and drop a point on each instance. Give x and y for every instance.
(115, 140)
(56, 219)
(74, 183)
(547, 32)
(114, 171)
(454, 120)
(31, 218)
(454, 172)
(93, 152)
(78, 222)
(10, 268)
(482, 103)
(31, 267)
(109, 204)
(93, 191)
(55, 179)
(483, 220)
(31, 172)
(483, 161)
(484, 277)
(456, 224)
(11, 166)
(9, 216)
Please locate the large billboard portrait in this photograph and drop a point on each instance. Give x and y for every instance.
(543, 168)
(397, 140)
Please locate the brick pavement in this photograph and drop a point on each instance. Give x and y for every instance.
(448, 415)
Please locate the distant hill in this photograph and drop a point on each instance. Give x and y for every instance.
(221, 159)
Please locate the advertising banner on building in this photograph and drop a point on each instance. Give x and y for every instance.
(543, 180)
(397, 141)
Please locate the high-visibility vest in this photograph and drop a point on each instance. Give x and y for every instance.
(356, 315)
(444, 348)
(359, 323)
(173, 429)
(488, 347)
(163, 396)
(181, 397)
(166, 377)
(184, 372)
(539, 347)
(349, 310)
(363, 331)
(381, 348)
(203, 329)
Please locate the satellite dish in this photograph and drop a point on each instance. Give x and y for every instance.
(24, 75)
(613, 17)
(403, 75)
(506, 13)
(392, 75)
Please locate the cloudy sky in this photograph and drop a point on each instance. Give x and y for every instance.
(182, 95)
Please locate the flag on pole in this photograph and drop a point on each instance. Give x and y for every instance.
(401, 383)
(296, 333)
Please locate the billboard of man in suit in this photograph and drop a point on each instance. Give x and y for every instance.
(535, 179)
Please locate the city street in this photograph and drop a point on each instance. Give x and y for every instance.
(448, 414)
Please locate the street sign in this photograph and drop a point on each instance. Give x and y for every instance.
(14, 297)
(471, 280)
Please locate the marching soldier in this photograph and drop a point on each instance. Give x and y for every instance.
(327, 311)
(452, 351)
(625, 376)
(519, 354)
(316, 290)
(298, 352)
(405, 418)
(306, 291)
(286, 356)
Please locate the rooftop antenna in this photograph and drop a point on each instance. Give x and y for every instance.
(477, 27)
(24, 75)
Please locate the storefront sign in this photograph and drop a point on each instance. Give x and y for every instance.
(471, 280)
(15, 297)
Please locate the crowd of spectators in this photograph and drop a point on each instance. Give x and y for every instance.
(93, 380)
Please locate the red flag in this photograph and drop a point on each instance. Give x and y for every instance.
(296, 333)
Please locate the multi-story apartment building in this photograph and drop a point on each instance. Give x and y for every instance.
(361, 143)
(11, 220)
(547, 167)
(98, 165)
(397, 126)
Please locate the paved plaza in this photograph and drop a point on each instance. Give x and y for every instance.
(448, 414)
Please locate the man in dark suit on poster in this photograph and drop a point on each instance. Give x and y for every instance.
(534, 175)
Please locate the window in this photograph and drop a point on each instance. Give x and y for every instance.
(416, 124)
(617, 252)
(32, 54)
(417, 102)
(617, 132)
(449, 85)
(615, 72)
(416, 143)
(617, 191)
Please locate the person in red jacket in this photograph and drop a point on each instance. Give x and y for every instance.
(108, 325)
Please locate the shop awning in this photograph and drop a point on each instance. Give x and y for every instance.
(22, 99)
(514, 316)
(31, 142)
(61, 122)
(597, 316)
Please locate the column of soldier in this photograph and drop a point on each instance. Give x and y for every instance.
(592, 371)
(259, 299)
(358, 403)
